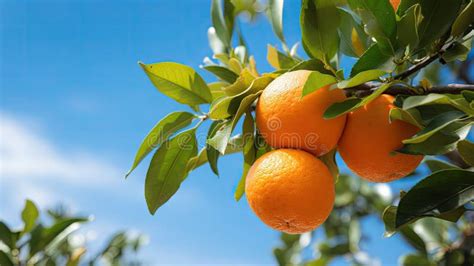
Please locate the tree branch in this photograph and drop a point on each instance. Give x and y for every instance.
(415, 68)
(369, 87)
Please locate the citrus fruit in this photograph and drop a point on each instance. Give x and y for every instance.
(369, 142)
(286, 119)
(290, 190)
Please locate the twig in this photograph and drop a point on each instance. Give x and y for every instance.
(367, 88)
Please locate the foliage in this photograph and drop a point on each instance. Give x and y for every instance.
(53, 244)
(400, 52)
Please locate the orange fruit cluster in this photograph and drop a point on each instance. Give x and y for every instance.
(289, 188)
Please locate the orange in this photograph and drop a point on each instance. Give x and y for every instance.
(290, 190)
(395, 4)
(370, 140)
(286, 119)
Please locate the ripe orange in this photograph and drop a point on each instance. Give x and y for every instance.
(288, 120)
(395, 4)
(290, 190)
(369, 140)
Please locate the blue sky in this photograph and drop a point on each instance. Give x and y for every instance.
(75, 106)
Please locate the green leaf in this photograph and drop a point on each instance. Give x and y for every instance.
(248, 131)
(437, 165)
(466, 150)
(275, 15)
(221, 137)
(438, 15)
(316, 81)
(29, 215)
(7, 236)
(361, 77)
(415, 260)
(354, 41)
(388, 217)
(379, 22)
(329, 159)
(440, 192)
(411, 116)
(226, 107)
(319, 23)
(223, 73)
(47, 238)
(178, 82)
(438, 123)
(407, 27)
(166, 127)
(338, 109)
(441, 142)
(234, 146)
(373, 58)
(5, 259)
(462, 22)
(350, 104)
(219, 23)
(168, 168)
(468, 95)
(457, 51)
(279, 60)
(311, 64)
(216, 89)
(211, 152)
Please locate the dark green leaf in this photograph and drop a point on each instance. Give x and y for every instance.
(5, 259)
(415, 260)
(211, 152)
(223, 73)
(457, 51)
(316, 81)
(441, 142)
(438, 123)
(168, 168)
(7, 236)
(167, 126)
(178, 82)
(338, 109)
(249, 152)
(437, 165)
(462, 22)
(438, 15)
(354, 41)
(379, 21)
(466, 150)
(440, 192)
(407, 27)
(373, 58)
(319, 22)
(351, 104)
(411, 116)
(29, 215)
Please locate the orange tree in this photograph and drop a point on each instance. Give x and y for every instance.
(390, 113)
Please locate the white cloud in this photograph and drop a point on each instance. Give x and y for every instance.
(26, 154)
(32, 166)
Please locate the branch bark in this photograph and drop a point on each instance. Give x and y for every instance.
(369, 87)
